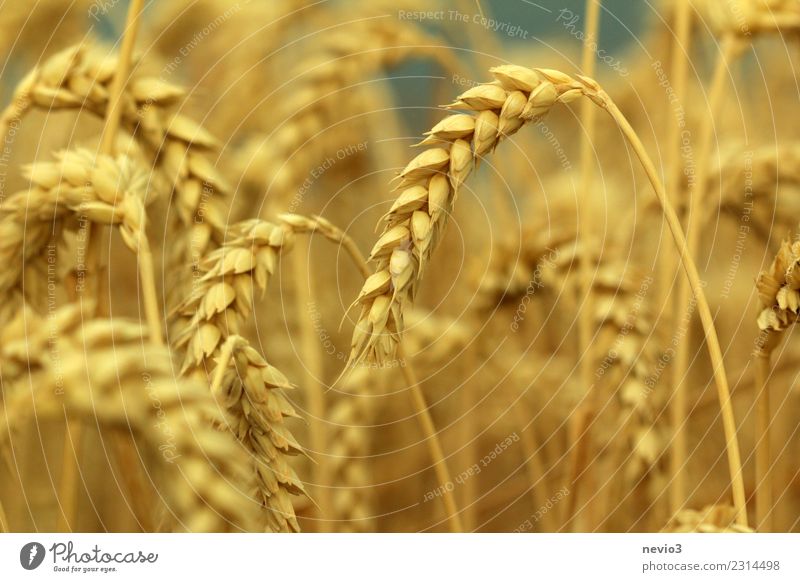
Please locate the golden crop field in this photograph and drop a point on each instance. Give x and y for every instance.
(339, 266)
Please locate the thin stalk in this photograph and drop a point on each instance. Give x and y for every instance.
(420, 406)
(694, 226)
(466, 458)
(585, 236)
(95, 234)
(433, 442)
(4, 528)
(128, 467)
(533, 463)
(151, 308)
(696, 286)
(312, 372)
(579, 453)
(764, 489)
(68, 485)
(675, 168)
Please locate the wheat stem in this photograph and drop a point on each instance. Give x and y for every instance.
(68, 485)
(679, 451)
(420, 404)
(151, 308)
(586, 230)
(95, 234)
(128, 467)
(583, 418)
(675, 168)
(709, 329)
(312, 372)
(3, 519)
(432, 440)
(764, 489)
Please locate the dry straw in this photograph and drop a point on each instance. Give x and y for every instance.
(581, 420)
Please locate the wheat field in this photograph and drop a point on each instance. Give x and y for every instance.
(446, 266)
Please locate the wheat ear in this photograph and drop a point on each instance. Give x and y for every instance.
(179, 149)
(417, 219)
(106, 383)
(106, 191)
(220, 303)
(351, 497)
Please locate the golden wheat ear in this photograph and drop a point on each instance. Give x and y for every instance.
(518, 96)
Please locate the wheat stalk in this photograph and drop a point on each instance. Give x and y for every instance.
(579, 423)
(695, 220)
(779, 293)
(675, 168)
(418, 400)
(106, 383)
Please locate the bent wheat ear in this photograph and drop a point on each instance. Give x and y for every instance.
(106, 374)
(80, 78)
(518, 96)
(79, 184)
